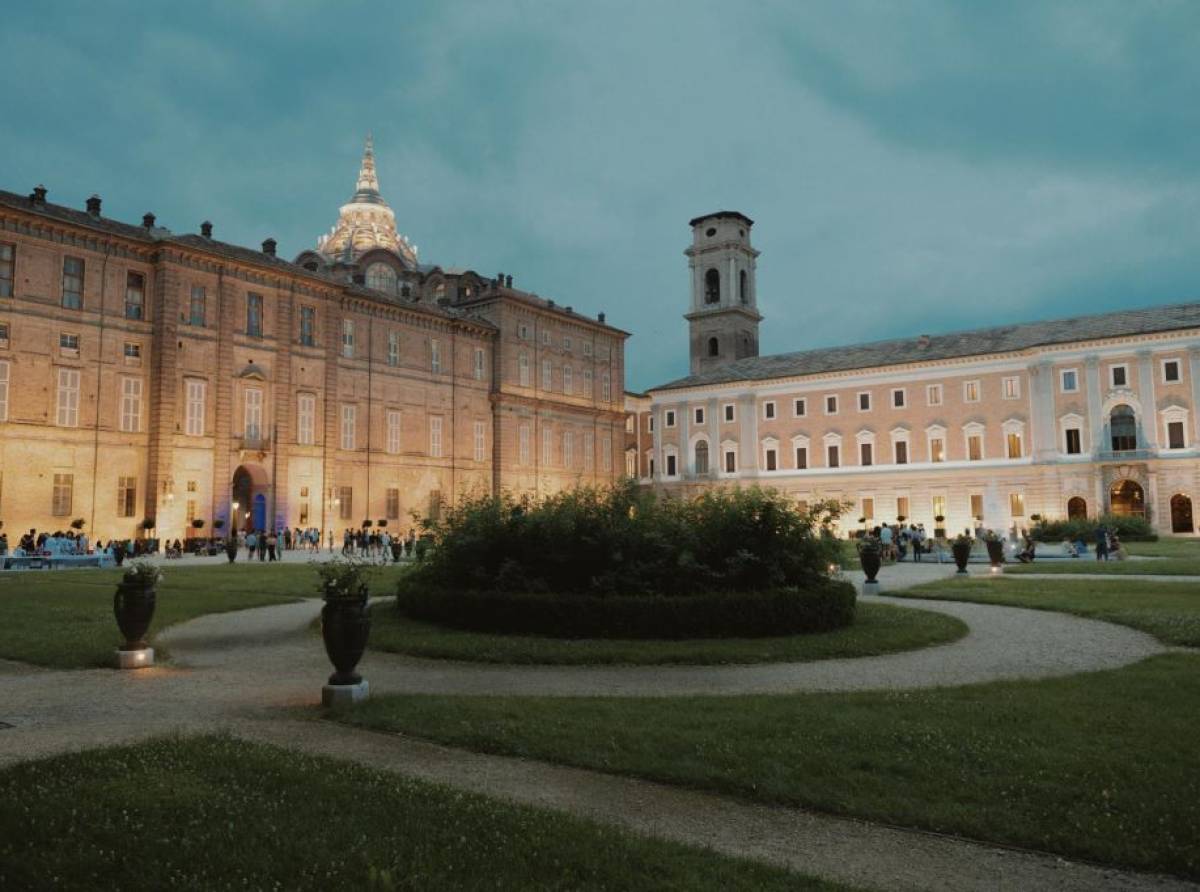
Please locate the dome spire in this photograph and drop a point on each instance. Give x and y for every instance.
(368, 182)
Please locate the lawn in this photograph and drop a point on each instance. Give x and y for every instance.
(877, 629)
(214, 812)
(1168, 610)
(1175, 557)
(64, 618)
(1099, 766)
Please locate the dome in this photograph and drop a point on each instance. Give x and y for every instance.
(366, 222)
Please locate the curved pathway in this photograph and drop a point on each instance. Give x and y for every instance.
(244, 671)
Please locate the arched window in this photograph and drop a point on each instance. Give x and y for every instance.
(702, 457)
(1076, 508)
(381, 277)
(1127, 499)
(743, 290)
(712, 287)
(714, 347)
(1123, 425)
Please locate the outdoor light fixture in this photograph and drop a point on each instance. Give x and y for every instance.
(995, 568)
(236, 506)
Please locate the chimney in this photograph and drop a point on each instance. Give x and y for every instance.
(600, 318)
(568, 309)
(148, 221)
(38, 195)
(269, 247)
(549, 302)
(923, 341)
(206, 229)
(508, 281)
(93, 206)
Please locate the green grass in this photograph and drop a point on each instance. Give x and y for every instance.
(878, 629)
(213, 812)
(64, 618)
(1099, 766)
(1174, 557)
(1168, 610)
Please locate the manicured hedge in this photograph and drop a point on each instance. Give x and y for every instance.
(1131, 529)
(824, 606)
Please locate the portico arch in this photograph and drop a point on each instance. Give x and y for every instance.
(1127, 499)
(249, 491)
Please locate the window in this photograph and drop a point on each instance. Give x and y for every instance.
(864, 401)
(587, 383)
(568, 376)
(605, 388)
(698, 414)
(868, 507)
(194, 407)
(68, 344)
(1074, 443)
(567, 343)
(523, 332)
(589, 451)
(670, 418)
(970, 391)
(974, 447)
(832, 459)
(308, 325)
(801, 458)
(606, 453)
(937, 449)
(127, 496)
(306, 413)
(3, 334)
(771, 458)
(1011, 388)
(435, 436)
(393, 431)
(345, 502)
(393, 354)
(1068, 381)
(1016, 504)
(714, 347)
(135, 296)
(1175, 435)
(64, 488)
(190, 511)
(523, 444)
(254, 314)
(3, 391)
(901, 450)
(901, 507)
(547, 446)
(68, 398)
(392, 505)
(435, 356)
(568, 449)
(712, 287)
(479, 361)
(587, 348)
(865, 454)
(546, 338)
(1170, 368)
(899, 397)
(480, 441)
(133, 352)
(547, 375)
(671, 470)
(7, 262)
(831, 405)
(1123, 426)
(939, 507)
(381, 277)
(72, 283)
(799, 408)
(196, 306)
(769, 410)
(730, 461)
(348, 338)
(349, 419)
(977, 506)
(729, 412)
(1119, 375)
(252, 415)
(1013, 444)
(933, 394)
(131, 404)
(650, 423)
(523, 368)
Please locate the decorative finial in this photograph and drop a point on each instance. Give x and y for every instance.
(367, 180)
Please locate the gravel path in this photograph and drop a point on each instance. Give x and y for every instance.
(245, 671)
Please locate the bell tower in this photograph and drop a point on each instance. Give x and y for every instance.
(723, 318)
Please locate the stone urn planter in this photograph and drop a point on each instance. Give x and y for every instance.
(961, 550)
(133, 606)
(345, 628)
(995, 550)
(870, 556)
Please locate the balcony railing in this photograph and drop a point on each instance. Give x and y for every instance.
(259, 443)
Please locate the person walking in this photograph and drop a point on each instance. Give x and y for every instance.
(251, 544)
(1102, 543)
(272, 544)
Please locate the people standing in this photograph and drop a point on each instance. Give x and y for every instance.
(251, 544)
(272, 543)
(1102, 543)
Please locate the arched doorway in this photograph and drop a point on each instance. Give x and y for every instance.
(249, 492)
(1127, 499)
(1181, 514)
(1076, 508)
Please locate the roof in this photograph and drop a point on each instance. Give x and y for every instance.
(976, 342)
(735, 215)
(497, 292)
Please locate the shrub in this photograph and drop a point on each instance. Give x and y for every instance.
(625, 541)
(1131, 529)
(826, 606)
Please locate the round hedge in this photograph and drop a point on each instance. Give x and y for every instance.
(822, 608)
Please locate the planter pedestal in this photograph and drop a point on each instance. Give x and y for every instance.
(135, 659)
(871, 587)
(344, 694)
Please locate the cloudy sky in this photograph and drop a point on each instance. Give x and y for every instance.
(911, 166)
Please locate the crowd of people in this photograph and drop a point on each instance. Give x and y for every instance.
(899, 541)
(1108, 546)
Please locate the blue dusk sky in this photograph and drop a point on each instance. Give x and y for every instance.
(911, 166)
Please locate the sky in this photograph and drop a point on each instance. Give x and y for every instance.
(912, 167)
